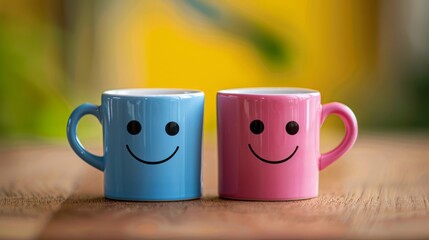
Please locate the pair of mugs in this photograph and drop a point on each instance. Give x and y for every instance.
(268, 142)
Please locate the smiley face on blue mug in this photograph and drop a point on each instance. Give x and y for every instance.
(134, 128)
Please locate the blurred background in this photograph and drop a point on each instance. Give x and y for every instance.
(55, 55)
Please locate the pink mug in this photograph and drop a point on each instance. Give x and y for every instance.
(268, 142)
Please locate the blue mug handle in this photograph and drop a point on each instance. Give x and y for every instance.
(86, 108)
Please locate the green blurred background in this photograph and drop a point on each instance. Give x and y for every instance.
(54, 55)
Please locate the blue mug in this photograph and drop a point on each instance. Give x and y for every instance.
(152, 143)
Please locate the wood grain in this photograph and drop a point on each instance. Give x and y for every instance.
(34, 181)
(380, 189)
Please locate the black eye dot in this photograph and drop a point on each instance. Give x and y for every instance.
(134, 127)
(292, 127)
(257, 126)
(172, 128)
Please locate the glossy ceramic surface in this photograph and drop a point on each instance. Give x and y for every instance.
(152, 143)
(268, 142)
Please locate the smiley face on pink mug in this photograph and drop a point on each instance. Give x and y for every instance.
(268, 142)
(257, 127)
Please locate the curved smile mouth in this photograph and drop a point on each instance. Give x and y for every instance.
(273, 161)
(150, 162)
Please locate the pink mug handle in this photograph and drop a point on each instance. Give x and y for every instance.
(350, 123)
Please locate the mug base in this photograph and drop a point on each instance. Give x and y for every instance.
(152, 199)
(238, 198)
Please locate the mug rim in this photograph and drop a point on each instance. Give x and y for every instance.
(152, 92)
(271, 91)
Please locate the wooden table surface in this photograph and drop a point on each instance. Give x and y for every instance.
(380, 189)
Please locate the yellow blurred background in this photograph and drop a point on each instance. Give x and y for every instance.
(54, 55)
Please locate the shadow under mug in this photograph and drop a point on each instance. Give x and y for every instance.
(268, 142)
(152, 143)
